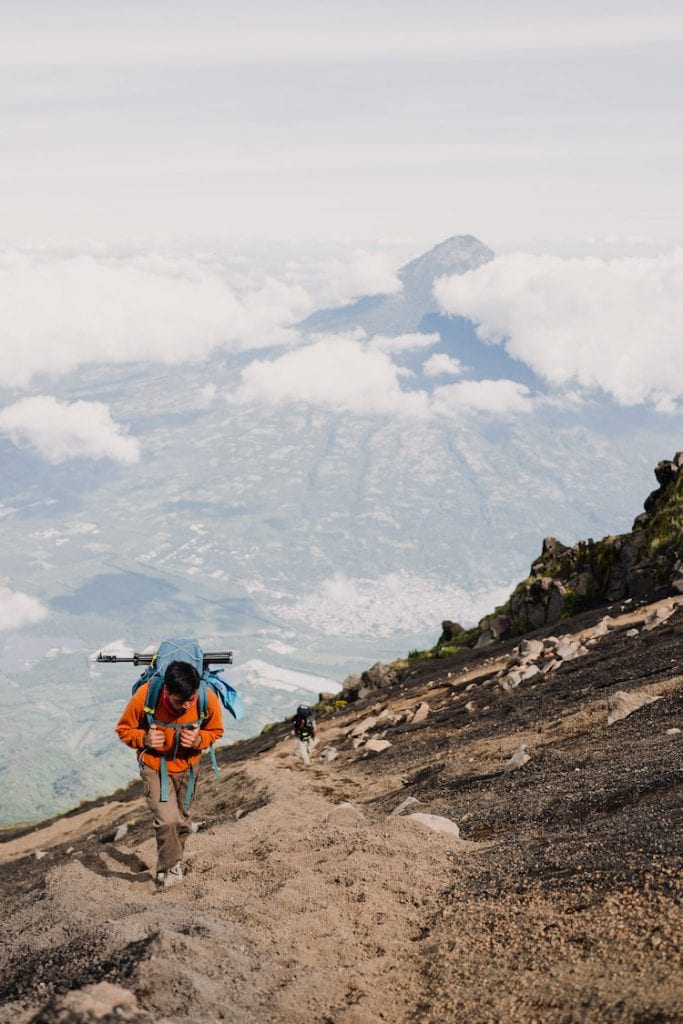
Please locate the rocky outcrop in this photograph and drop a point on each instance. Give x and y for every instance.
(450, 631)
(378, 677)
(641, 564)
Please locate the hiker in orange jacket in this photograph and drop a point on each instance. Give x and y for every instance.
(180, 746)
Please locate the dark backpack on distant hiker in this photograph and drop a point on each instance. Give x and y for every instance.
(176, 649)
(304, 726)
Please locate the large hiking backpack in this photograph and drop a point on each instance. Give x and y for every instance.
(304, 726)
(180, 649)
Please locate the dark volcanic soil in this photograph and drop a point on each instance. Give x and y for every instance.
(559, 902)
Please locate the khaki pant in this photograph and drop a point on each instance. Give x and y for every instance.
(305, 748)
(172, 823)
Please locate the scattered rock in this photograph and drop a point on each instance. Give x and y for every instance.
(422, 712)
(519, 758)
(39, 854)
(470, 706)
(630, 633)
(661, 615)
(377, 746)
(101, 1002)
(621, 705)
(531, 648)
(408, 802)
(343, 811)
(362, 727)
(121, 832)
(328, 754)
(436, 823)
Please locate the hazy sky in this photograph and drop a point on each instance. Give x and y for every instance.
(347, 137)
(520, 123)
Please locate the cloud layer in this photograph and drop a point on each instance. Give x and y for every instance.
(61, 430)
(502, 398)
(346, 373)
(613, 325)
(335, 372)
(365, 273)
(18, 610)
(57, 313)
(266, 42)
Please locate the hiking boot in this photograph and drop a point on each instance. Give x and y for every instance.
(173, 876)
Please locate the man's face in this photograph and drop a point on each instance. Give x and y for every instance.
(178, 704)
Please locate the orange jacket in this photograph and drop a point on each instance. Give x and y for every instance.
(132, 726)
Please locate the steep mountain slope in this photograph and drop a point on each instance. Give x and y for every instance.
(317, 893)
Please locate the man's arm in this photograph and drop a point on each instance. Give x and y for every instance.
(131, 727)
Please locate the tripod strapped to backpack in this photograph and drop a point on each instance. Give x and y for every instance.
(210, 658)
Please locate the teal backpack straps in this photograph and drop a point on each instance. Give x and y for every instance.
(190, 789)
(203, 709)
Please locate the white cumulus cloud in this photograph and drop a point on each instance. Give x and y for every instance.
(365, 273)
(614, 325)
(503, 398)
(61, 430)
(336, 372)
(346, 373)
(18, 610)
(441, 364)
(403, 342)
(58, 312)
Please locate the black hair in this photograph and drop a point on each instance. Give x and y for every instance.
(181, 679)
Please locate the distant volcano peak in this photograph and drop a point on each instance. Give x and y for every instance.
(456, 254)
(406, 310)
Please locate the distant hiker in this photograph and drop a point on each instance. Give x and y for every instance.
(304, 730)
(170, 738)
